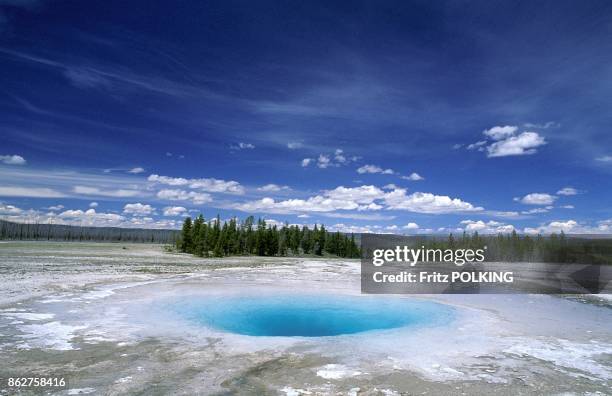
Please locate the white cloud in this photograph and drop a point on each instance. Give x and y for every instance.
(411, 226)
(174, 210)
(55, 208)
(546, 125)
(93, 204)
(536, 199)
(490, 227)
(119, 193)
(360, 195)
(34, 192)
(535, 211)
(323, 161)
(242, 146)
(374, 169)
(340, 198)
(567, 207)
(138, 209)
(9, 209)
(294, 145)
(91, 218)
(567, 191)
(477, 146)
(413, 177)
(273, 188)
(426, 203)
(354, 229)
(500, 132)
(572, 227)
(363, 198)
(523, 144)
(604, 158)
(182, 195)
(504, 141)
(12, 159)
(136, 170)
(358, 216)
(390, 186)
(339, 156)
(206, 184)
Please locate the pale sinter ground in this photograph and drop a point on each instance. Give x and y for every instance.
(95, 313)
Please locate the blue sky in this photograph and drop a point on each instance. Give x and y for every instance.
(409, 117)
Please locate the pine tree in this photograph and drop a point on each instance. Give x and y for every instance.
(186, 236)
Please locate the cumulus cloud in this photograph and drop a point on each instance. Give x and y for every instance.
(374, 169)
(500, 132)
(55, 208)
(136, 170)
(273, 188)
(536, 199)
(490, 227)
(205, 184)
(9, 209)
(93, 204)
(523, 144)
(12, 159)
(420, 202)
(569, 226)
(411, 226)
(138, 209)
(572, 227)
(174, 210)
(119, 193)
(413, 177)
(567, 191)
(91, 218)
(363, 198)
(503, 141)
(181, 195)
(324, 161)
(340, 198)
(34, 192)
(294, 145)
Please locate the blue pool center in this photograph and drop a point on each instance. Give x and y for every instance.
(309, 315)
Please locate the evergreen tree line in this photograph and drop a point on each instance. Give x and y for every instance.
(58, 232)
(556, 248)
(217, 239)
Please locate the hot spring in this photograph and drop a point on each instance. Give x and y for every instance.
(309, 316)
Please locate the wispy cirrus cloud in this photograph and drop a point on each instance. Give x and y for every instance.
(100, 192)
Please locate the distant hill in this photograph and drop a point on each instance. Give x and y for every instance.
(57, 232)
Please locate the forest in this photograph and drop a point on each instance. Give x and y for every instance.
(58, 232)
(512, 247)
(217, 239)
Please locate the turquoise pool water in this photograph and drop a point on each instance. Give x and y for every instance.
(310, 316)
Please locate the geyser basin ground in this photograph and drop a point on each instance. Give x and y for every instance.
(107, 316)
(309, 315)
